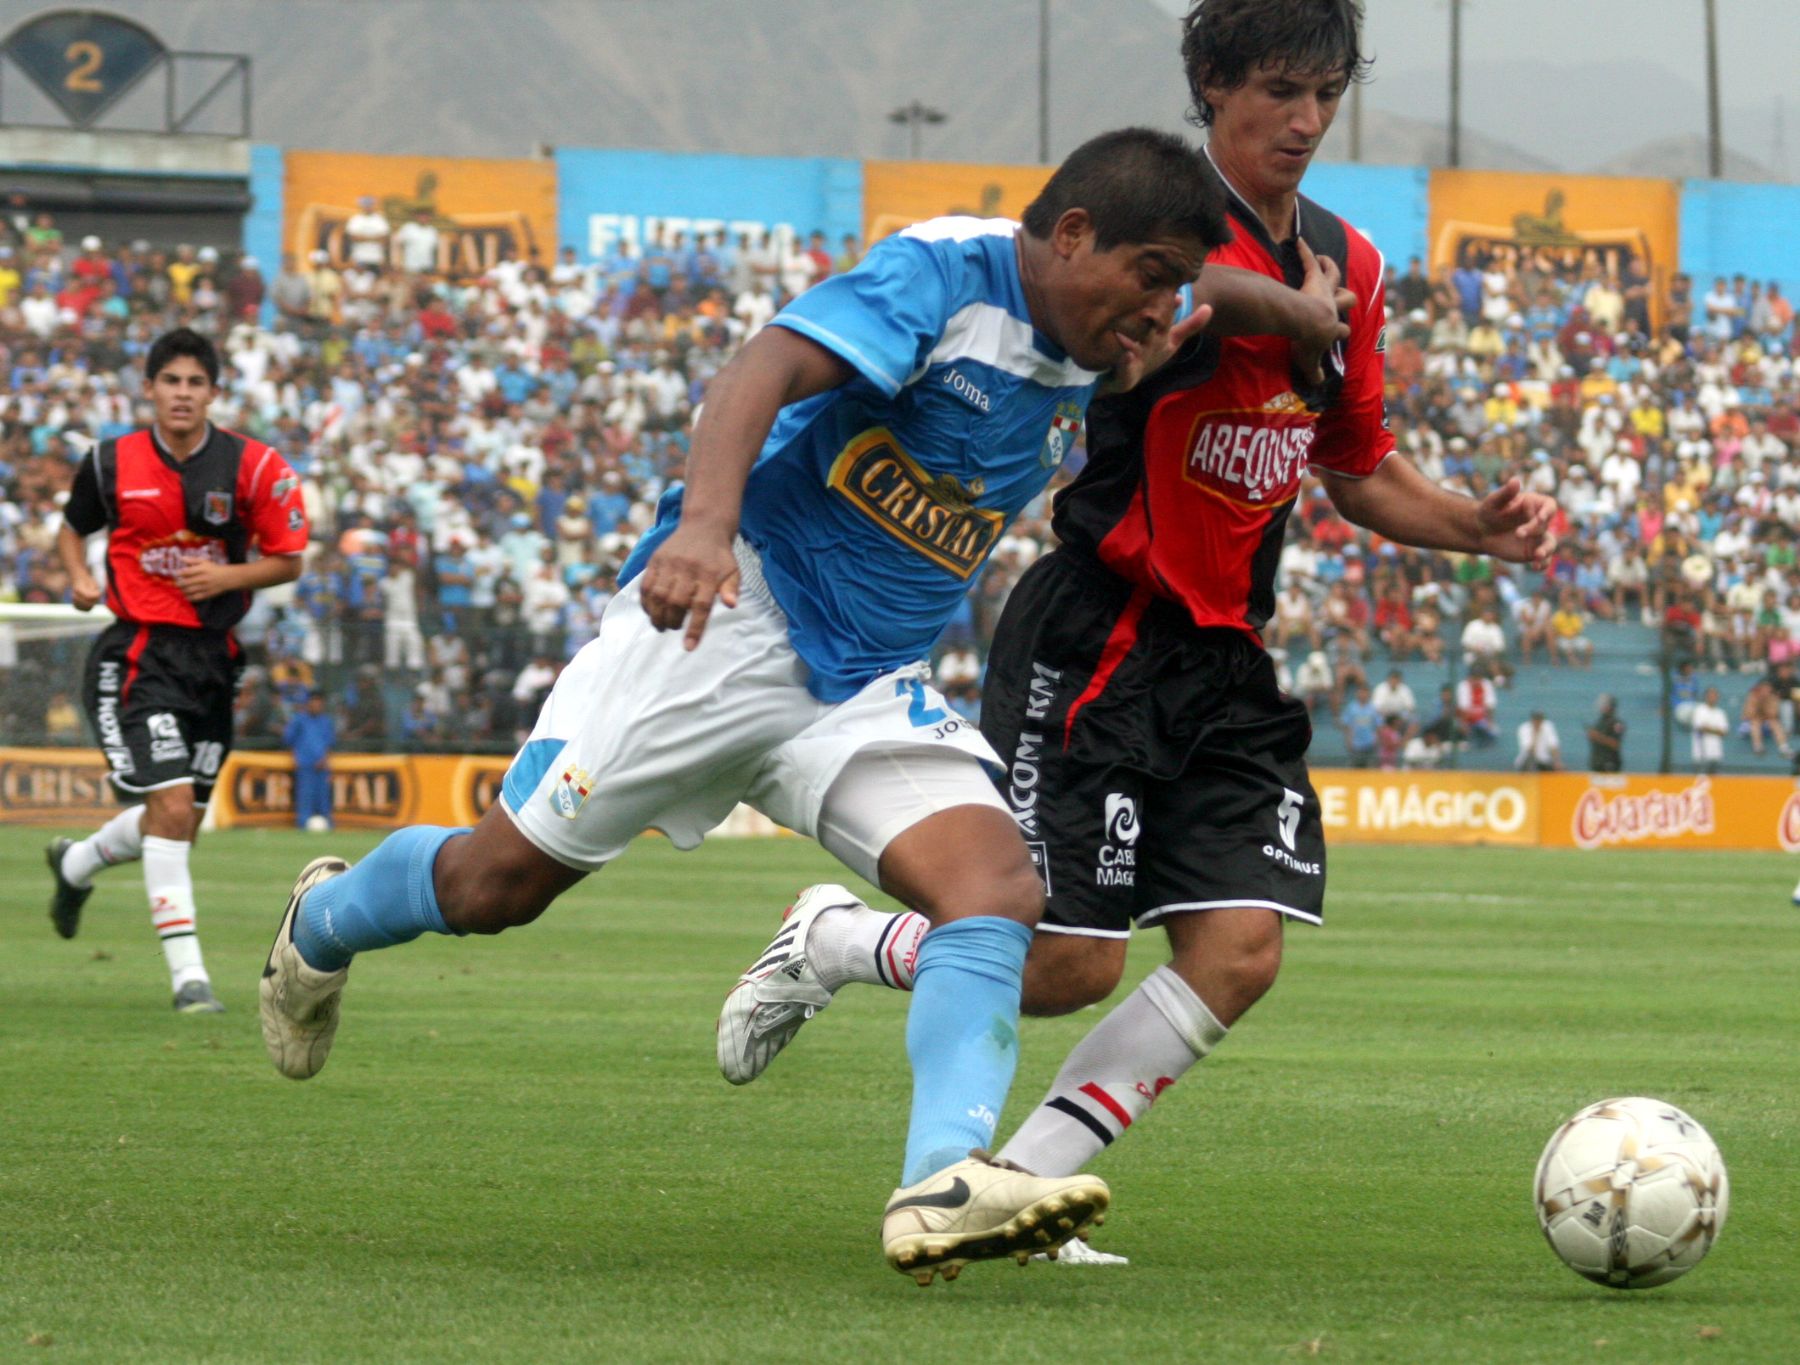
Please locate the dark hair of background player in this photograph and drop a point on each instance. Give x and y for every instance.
(1224, 41)
(1135, 184)
(182, 341)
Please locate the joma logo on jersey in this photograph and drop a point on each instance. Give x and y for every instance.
(935, 515)
(1250, 455)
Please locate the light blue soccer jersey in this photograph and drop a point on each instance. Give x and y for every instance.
(874, 505)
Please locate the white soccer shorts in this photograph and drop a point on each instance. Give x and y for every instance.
(639, 733)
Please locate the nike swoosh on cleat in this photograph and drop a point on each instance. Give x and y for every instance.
(958, 1193)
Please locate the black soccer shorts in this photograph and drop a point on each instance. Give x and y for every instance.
(159, 699)
(1153, 767)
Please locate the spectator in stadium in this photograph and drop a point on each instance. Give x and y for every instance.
(1359, 720)
(1710, 728)
(1476, 702)
(1394, 701)
(1540, 749)
(1760, 720)
(310, 735)
(367, 231)
(1606, 737)
(1484, 646)
(1569, 642)
(160, 679)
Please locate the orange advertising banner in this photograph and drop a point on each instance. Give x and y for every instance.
(484, 210)
(54, 787)
(899, 193)
(1366, 807)
(1565, 225)
(1585, 810)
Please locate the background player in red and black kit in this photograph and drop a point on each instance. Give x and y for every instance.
(182, 503)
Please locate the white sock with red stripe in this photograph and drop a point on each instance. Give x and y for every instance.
(1114, 1074)
(866, 945)
(119, 840)
(172, 907)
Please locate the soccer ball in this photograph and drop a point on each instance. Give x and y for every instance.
(318, 824)
(1631, 1193)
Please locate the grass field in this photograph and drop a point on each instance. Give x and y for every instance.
(521, 1150)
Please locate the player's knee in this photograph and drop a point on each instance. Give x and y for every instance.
(1060, 978)
(489, 902)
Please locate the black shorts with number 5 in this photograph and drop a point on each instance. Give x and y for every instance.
(159, 699)
(1153, 767)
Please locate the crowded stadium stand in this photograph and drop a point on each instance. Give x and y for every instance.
(480, 452)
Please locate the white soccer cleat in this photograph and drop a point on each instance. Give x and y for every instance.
(982, 1209)
(299, 1003)
(1078, 1252)
(780, 992)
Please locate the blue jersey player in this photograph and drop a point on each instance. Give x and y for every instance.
(850, 472)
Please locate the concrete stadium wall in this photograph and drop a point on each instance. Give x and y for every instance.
(605, 194)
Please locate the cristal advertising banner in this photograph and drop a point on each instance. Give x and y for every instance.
(484, 210)
(1563, 224)
(899, 193)
(605, 197)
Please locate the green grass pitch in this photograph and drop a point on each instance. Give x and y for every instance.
(521, 1150)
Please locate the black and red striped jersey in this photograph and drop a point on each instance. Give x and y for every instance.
(1191, 476)
(159, 512)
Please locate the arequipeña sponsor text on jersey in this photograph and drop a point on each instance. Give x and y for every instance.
(873, 505)
(1192, 475)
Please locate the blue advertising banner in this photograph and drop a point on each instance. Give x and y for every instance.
(605, 196)
(1390, 205)
(1729, 228)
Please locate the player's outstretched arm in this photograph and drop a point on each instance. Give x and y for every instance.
(1249, 303)
(695, 566)
(1400, 503)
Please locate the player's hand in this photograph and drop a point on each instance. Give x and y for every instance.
(1515, 525)
(689, 571)
(1155, 351)
(200, 579)
(1326, 305)
(85, 591)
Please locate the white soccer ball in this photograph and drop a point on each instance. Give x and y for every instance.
(1631, 1193)
(318, 824)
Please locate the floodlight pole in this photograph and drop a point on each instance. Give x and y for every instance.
(1044, 82)
(1715, 146)
(913, 114)
(1455, 157)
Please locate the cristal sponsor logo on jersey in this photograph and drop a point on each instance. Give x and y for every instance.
(1065, 426)
(968, 390)
(1252, 455)
(1118, 855)
(935, 515)
(167, 557)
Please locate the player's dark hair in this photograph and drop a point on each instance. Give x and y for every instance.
(182, 341)
(1224, 41)
(1135, 184)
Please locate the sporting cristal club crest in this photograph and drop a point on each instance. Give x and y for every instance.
(1065, 426)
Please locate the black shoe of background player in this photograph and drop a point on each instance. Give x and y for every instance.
(66, 901)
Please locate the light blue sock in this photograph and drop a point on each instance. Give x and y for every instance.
(385, 899)
(962, 1035)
